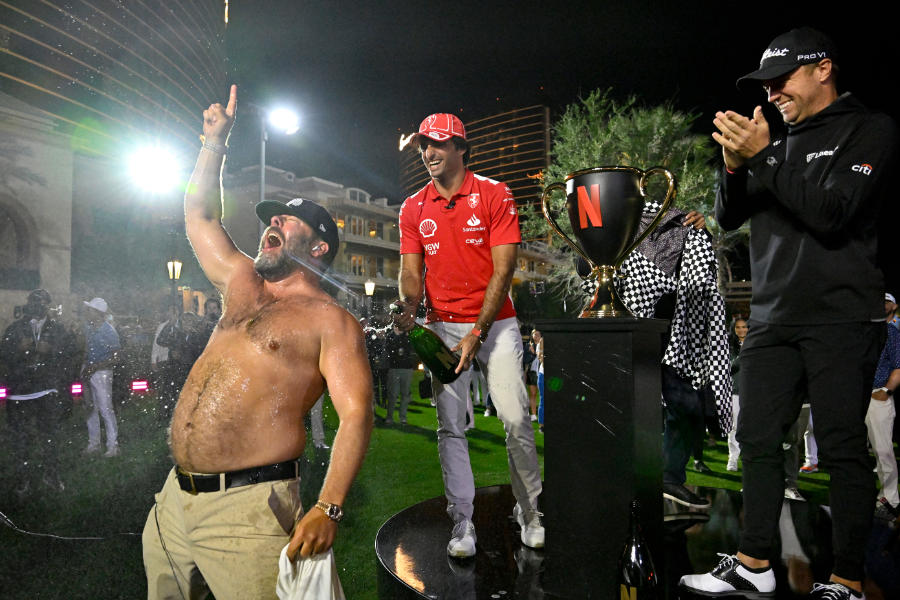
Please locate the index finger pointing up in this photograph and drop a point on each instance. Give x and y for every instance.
(232, 101)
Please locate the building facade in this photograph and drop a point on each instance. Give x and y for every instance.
(82, 85)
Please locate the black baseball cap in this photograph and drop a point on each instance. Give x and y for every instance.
(39, 295)
(310, 213)
(790, 50)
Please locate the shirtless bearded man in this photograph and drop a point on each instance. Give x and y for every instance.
(232, 501)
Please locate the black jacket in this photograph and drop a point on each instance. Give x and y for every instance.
(28, 366)
(814, 199)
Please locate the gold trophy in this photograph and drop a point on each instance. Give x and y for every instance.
(605, 206)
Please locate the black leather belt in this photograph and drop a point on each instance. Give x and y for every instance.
(194, 483)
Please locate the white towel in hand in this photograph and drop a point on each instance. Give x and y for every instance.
(313, 578)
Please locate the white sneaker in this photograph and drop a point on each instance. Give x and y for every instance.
(834, 591)
(487, 412)
(533, 418)
(731, 578)
(792, 493)
(462, 544)
(91, 449)
(111, 452)
(732, 465)
(532, 530)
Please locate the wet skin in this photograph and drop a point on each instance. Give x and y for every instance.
(245, 398)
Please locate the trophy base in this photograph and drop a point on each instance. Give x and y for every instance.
(606, 314)
(611, 306)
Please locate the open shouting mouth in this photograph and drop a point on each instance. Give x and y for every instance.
(272, 239)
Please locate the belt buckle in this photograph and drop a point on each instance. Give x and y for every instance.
(193, 491)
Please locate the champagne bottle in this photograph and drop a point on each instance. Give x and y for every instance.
(435, 354)
(636, 573)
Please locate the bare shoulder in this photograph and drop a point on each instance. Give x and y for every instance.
(335, 319)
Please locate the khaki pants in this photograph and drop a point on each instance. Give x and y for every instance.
(224, 542)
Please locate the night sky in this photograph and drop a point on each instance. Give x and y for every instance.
(363, 73)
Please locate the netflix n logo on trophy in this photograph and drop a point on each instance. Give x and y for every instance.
(589, 207)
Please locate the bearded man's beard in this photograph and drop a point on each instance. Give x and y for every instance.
(277, 266)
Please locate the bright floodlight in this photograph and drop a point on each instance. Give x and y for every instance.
(285, 121)
(154, 169)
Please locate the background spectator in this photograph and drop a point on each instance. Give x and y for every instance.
(402, 363)
(36, 353)
(102, 341)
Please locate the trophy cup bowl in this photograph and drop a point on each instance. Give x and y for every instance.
(604, 206)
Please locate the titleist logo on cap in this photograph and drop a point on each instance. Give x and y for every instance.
(772, 52)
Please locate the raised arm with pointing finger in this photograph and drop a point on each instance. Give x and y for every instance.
(232, 502)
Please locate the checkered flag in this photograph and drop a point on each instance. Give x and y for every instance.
(698, 342)
(698, 345)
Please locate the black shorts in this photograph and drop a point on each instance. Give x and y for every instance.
(530, 377)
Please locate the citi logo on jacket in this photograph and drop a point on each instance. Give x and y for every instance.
(865, 169)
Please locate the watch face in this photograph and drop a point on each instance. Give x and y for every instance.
(335, 512)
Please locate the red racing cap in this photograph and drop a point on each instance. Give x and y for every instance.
(441, 127)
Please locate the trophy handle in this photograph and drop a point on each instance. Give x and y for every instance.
(670, 197)
(545, 207)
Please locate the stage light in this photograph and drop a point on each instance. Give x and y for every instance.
(154, 169)
(77, 389)
(140, 385)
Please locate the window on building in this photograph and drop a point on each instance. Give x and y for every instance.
(357, 226)
(357, 265)
(393, 233)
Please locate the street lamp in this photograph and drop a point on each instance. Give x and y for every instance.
(282, 120)
(285, 121)
(370, 291)
(174, 268)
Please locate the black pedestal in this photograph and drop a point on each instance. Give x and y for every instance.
(603, 448)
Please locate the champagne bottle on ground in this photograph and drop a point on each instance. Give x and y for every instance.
(435, 354)
(636, 573)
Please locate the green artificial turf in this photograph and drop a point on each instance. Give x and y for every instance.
(110, 498)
